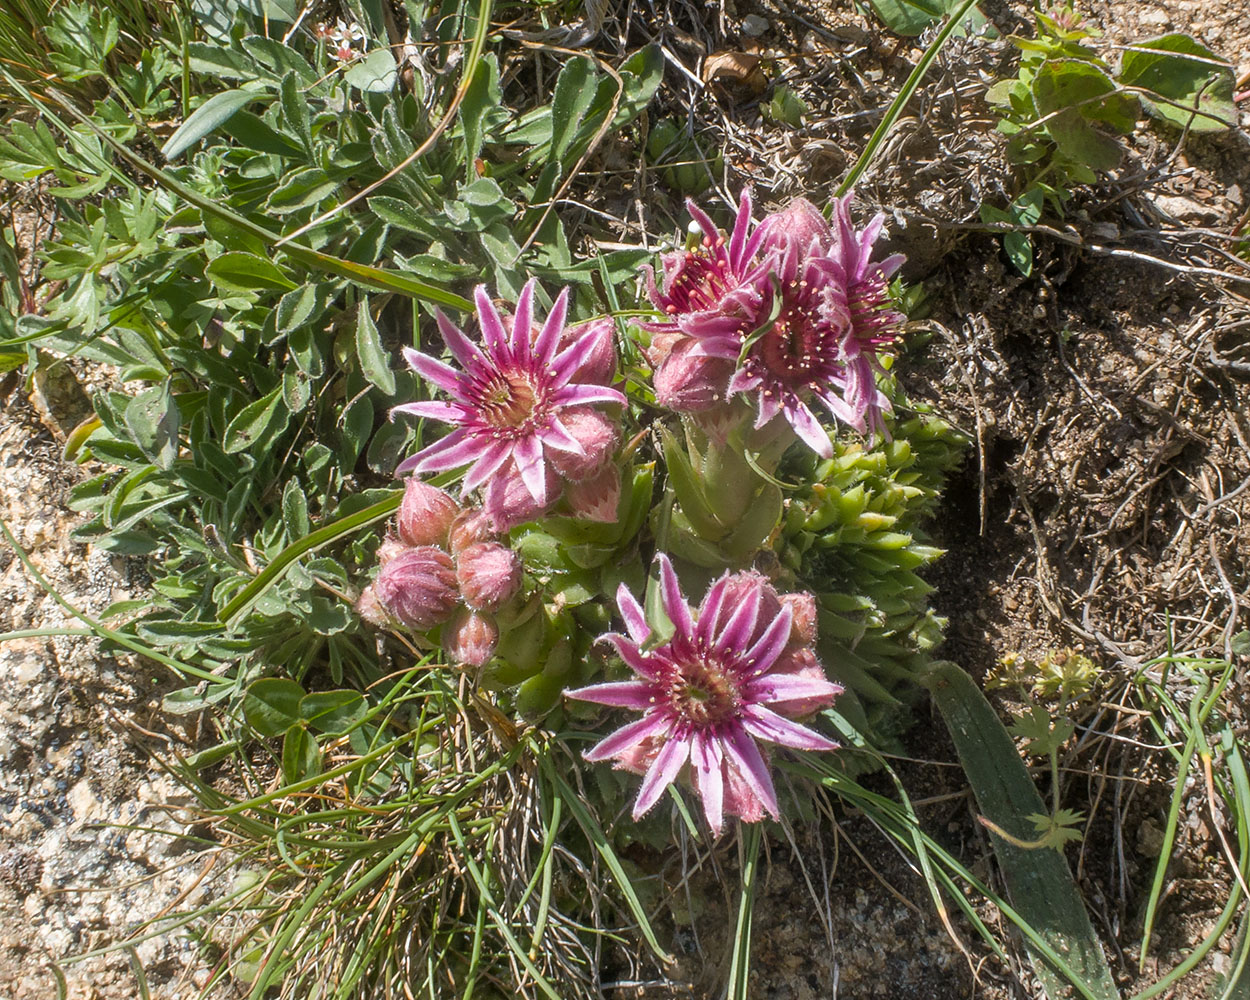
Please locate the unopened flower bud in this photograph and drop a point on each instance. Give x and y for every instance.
(418, 587)
(740, 588)
(799, 224)
(803, 612)
(690, 382)
(425, 514)
(472, 526)
(599, 363)
(597, 497)
(509, 502)
(489, 575)
(370, 610)
(597, 436)
(470, 638)
(390, 548)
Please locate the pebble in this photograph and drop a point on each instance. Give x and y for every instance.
(753, 26)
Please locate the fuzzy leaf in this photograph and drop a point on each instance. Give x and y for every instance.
(271, 705)
(206, 119)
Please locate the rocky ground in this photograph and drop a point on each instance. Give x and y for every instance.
(1103, 507)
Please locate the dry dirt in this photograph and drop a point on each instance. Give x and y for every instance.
(1102, 508)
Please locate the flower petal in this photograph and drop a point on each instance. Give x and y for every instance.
(629, 736)
(760, 657)
(493, 333)
(635, 617)
(451, 452)
(577, 395)
(808, 428)
(448, 413)
(710, 608)
(528, 452)
(675, 605)
(742, 224)
(705, 757)
(556, 435)
(523, 321)
(549, 337)
(768, 725)
(433, 370)
(742, 752)
(737, 631)
(619, 694)
(663, 772)
(462, 348)
(637, 661)
(491, 460)
(789, 687)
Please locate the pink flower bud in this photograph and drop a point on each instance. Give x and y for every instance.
(799, 224)
(470, 638)
(690, 382)
(473, 525)
(596, 498)
(599, 365)
(370, 610)
(803, 621)
(802, 663)
(662, 344)
(419, 587)
(489, 575)
(597, 436)
(509, 502)
(425, 514)
(390, 548)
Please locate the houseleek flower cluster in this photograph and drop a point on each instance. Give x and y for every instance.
(579, 504)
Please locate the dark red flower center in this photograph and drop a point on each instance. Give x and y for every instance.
(800, 347)
(702, 280)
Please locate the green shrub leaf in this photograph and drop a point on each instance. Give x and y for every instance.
(271, 705)
(206, 119)
(1184, 72)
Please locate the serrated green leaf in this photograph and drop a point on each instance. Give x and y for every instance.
(271, 705)
(205, 120)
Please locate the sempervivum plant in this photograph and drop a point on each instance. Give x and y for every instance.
(519, 416)
(720, 683)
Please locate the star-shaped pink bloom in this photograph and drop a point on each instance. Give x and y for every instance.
(507, 401)
(706, 693)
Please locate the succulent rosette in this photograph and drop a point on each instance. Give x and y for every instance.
(709, 692)
(508, 404)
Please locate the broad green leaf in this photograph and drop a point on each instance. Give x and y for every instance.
(255, 133)
(575, 90)
(1183, 71)
(332, 712)
(375, 73)
(295, 509)
(300, 189)
(301, 758)
(908, 17)
(206, 119)
(1073, 95)
(271, 705)
(1038, 880)
(153, 420)
(239, 271)
(374, 361)
(481, 97)
(256, 423)
(295, 307)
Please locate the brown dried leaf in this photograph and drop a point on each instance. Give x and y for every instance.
(735, 67)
